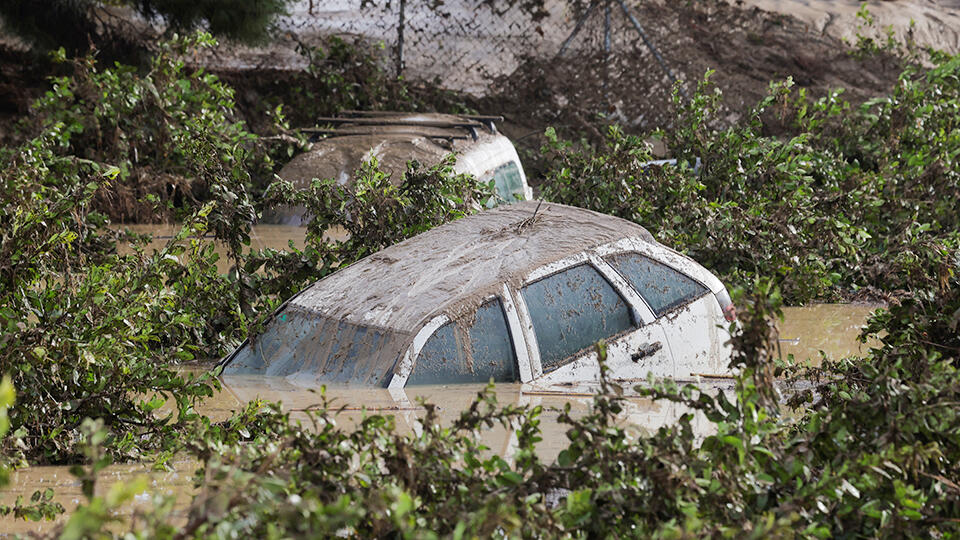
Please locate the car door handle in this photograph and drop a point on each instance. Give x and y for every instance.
(646, 350)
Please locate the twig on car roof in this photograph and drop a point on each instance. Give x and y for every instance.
(530, 220)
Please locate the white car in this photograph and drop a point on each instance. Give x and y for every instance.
(397, 138)
(519, 293)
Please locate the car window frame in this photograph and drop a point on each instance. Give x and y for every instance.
(404, 369)
(667, 256)
(640, 313)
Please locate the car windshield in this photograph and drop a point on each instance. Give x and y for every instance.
(300, 342)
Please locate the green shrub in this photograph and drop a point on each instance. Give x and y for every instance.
(847, 200)
(86, 333)
(146, 124)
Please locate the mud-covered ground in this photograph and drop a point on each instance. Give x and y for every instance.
(928, 23)
(746, 47)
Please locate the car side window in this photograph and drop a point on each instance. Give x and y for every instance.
(573, 309)
(661, 286)
(468, 351)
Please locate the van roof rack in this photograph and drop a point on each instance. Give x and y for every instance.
(455, 123)
(388, 121)
(477, 117)
(335, 133)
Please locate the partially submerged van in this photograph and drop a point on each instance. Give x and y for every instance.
(394, 139)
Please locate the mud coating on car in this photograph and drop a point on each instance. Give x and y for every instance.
(455, 267)
(339, 158)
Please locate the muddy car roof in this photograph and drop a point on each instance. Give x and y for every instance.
(457, 265)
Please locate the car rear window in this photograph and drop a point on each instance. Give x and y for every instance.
(299, 341)
(662, 287)
(468, 351)
(573, 309)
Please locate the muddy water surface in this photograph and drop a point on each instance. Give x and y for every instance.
(261, 237)
(67, 491)
(831, 328)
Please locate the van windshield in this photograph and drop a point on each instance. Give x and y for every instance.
(300, 342)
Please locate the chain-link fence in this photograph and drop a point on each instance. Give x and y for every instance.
(570, 63)
(470, 45)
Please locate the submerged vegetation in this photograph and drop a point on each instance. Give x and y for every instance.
(806, 199)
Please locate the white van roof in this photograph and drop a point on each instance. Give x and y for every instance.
(392, 138)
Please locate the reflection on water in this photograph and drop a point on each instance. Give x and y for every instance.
(640, 416)
(804, 332)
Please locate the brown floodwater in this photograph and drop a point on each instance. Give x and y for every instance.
(830, 328)
(177, 483)
(261, 237)
(804, 333)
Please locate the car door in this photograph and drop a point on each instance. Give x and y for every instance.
(684, 308)
(567, 307)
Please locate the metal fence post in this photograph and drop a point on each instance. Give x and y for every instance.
(607, 44)
(652, 47)
(399, 51)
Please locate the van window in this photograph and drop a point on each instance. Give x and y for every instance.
(573, 309)
(508, 182)
(661, 286)
(468, 351)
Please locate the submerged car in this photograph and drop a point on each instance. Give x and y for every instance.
(397, 138)
(518, 293)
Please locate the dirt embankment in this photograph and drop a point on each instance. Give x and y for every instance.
(586, 86)
(928, 23)
(747, 47)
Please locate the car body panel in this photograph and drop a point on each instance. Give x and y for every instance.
(690, 331)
